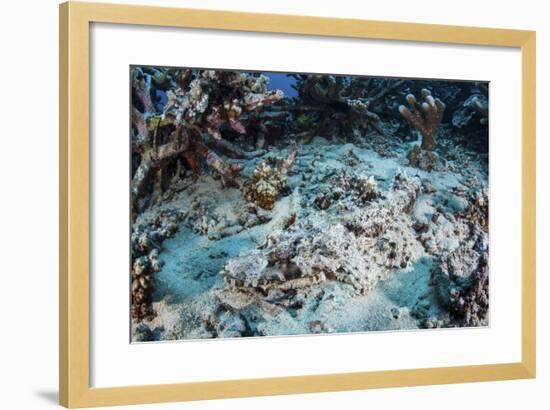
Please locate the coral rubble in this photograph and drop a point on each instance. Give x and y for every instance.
(359, 250)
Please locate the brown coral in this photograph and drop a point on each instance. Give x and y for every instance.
(425, 119)
(268, 180)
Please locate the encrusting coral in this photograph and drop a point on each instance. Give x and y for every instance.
(269, 180)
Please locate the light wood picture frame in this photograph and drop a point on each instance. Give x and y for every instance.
(74, 285)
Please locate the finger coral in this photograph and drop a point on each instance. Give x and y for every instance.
(424, 117)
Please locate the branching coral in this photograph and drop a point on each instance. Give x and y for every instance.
(180, 116)
(425, 118)
(269, 180)
(335, 106)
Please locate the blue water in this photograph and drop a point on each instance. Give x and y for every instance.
(283, 82)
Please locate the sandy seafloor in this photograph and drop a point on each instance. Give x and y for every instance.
(185, 298)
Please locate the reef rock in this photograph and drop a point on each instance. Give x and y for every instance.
(357, 189)
(462, 286)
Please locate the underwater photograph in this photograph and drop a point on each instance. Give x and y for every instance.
(279, 204)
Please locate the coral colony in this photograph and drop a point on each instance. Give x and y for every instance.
(275, 204)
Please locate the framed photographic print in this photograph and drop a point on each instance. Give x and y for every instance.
(306, 204)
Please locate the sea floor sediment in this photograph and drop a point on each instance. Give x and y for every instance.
(227, 271)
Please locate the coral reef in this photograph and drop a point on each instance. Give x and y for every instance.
(199, 106)
(286, 204)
